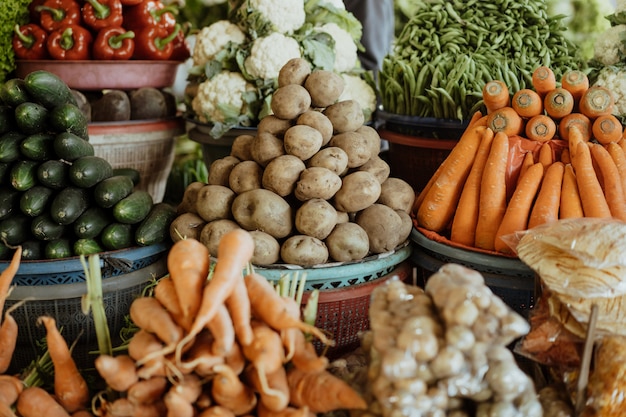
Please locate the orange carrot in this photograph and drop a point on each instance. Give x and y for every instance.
(619, 157)
(527, 162)
(147, 391)
(612, 182)
(606, 129)
(8, 339)
(7, 275)
(565, 156)
(495, 95)
(229, 391)
(236, 359)
(492, 204)
(238, 304)
(10, 388)
(305, 357)
(70, 388)
(165, 293)
(266, 350)
(541, 128)
(576, 82)
(527, 103)
(466, 215)
(518, 210)
(177, 405)
(118, 407)
(118, 372)
(543, 80)
(273, 387)
(149, 314)
(591, 195)
(221, 327)
(83, 413)
(188, 386)
(216, 411)
(570, 206)
(596, 101)
(36, 402)
(545, 155)
(438, 205)
(199, 357)
(546, 206)
(506, 120)
(579, 120)
(142, 344)
(263, 411)
(322, 392)
(558, 103)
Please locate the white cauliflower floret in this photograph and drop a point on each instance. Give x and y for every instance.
(287, 16)
(614, 78)
(345, 48)
(269, 54)
(357, 89)
(620, 6)
(213, 38)
(609, 49)
(220, 97)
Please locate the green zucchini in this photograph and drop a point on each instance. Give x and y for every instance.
(111, 190)
(133, 208)
(32, 250)
(54, 174)
(23, 174)
(67, 117)
(35, 200)
(117, 236)
(87, 247)
(44, 228)
(133, 173)
(38, 146)
(10, 146)
(13, 92)
(31, 118)
(15, 229)
(48, 89)
(155, 228)
(90, 224)
(9, 201)
(70, 147)
(58, 249)
(87, 171)
(68, 204)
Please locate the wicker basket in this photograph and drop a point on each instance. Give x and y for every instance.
(147, 146)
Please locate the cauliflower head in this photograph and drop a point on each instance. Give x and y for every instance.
(269, 54)
(357, 89)
(286, 16)
(609, 48)
(213, 38)
(222, 98)
(614, 78)
(345, 48)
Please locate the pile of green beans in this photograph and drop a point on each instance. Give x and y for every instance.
(450, 48)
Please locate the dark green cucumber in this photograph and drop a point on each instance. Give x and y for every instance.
(68, 204)
(44, 228)
(117, 236)
(90, 224)
(10, 146)
(7, 119)
(88, 171)
(133, 208)
(70, 147)
(32, 250)
(67, 117)
(58, 249)
(111, 190)
(9, 201)
(35, 200)
(133, 173)
(38, 146)
(48, 89)
(23, 174)
(15, 229)
(54, 174)
(31, 118)
(87, 247)
(13, 92)
(155, 228)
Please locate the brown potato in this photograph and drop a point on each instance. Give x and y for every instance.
(188, 202)
(214, 202)
(266, 147)
(241, 147)
(304, 251)
(358, 191)
(357, 148)
(295, 71)
(186, 226)
(317, 182)
(302, 141)
(319, 121)
(348, 242)
(384, 226)
(290, 101)
(346, 116)
(273, 125)
(406, 227)
(219, 170)
(266, 249)
(342, 216)
(325, 87)
(372, 137)
(264, 210)
(397, 194)
(282, 173)
(331, 157)
(213, 231)
(316, 217)
(378, 167)
(245, 176)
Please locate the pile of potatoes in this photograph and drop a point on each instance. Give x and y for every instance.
(310, 185)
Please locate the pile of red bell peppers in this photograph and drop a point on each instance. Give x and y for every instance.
(101, 30)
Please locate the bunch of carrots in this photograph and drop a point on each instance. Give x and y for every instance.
(220, 343)
(551, 152)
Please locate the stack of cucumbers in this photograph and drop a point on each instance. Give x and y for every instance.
(58, 199)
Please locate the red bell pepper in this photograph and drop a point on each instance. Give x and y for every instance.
(29, 42)
(72, 42)
(130, 2)
(181, 49)
(114, 43)
(155, 42)
(150, 13)
(57, 13)
(33, 14)
(100, 14)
